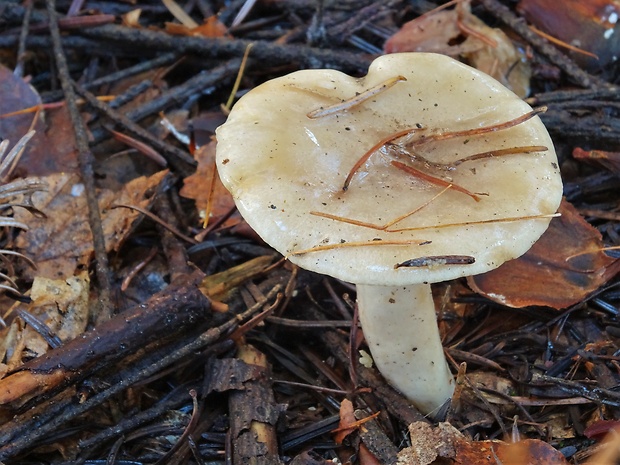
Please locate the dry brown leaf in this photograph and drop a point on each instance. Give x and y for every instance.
(204, 186)
(546, 275)
(64, 302)
(52, 149)
(526, 452)
(431, 444)
(61, 305)
(591, 26)
(459, 33)
(347, 418)
(600, 428)
(435, 32)
(62, 241)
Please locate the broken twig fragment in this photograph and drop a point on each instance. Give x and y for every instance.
(438, 260)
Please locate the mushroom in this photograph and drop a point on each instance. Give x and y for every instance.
(424, 170)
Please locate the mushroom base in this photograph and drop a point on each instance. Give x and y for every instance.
(400, 328)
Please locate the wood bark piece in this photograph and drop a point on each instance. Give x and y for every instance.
(254, 413)
(376, 440)
(180, 306)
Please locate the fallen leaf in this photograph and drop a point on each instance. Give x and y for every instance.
(600, 428)
(430, 444)
(459, 33)
(591, 26)
(366, 457)
(204, 186)
(62, 241)
(62, 305)
(435, 32)
(561, 269)
(347, 418)
(66, 299)
(52, 149)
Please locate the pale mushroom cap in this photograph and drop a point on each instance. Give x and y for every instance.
(280, 165)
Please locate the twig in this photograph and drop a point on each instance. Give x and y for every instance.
(263, 52)
(173, 400)
(578, 75)
(605, 94)
(87, 172)
(141, 67)
(179, 159)
(176, 255)
(23, 35)
(158, 220)
(597, 394)
(191, 87)
(38, 427)
(308, 323)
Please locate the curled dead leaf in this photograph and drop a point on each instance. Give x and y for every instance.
(459, 33)
(562, 268)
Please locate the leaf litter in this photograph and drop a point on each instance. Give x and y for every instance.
(61, 243)
(557, 369)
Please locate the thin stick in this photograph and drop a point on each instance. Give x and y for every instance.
(386, 140)
(435, 260)
(588, 252)
(357, 99)
(561, 43)
(237, 83)
(329, 216)
(323, 248)
(416, 210)
(432, 179)
(158, 220)
(437, 137)
(421, 228)
(86, 162)
(478, 156)
(377, 226)
(502, 152)
(483, 130)
(473, 223)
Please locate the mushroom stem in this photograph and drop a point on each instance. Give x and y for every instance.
(400, 328)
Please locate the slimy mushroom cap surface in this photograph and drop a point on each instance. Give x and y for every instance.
(285, 169)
